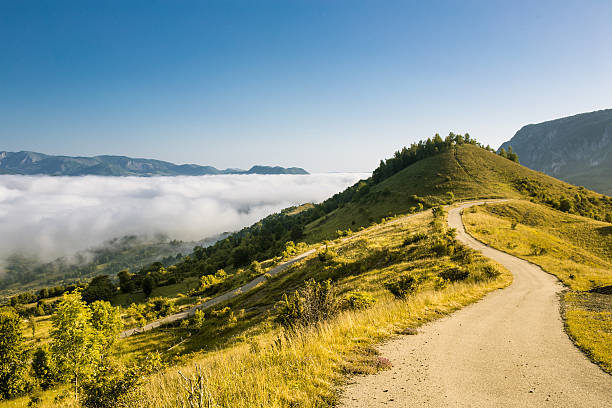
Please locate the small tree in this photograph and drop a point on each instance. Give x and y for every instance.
(12, 355)
(100, 288)
(148, 284)
(126, 283)
(43, 367)
(107, 324)
(74, 345)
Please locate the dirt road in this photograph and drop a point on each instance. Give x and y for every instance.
(508, 350)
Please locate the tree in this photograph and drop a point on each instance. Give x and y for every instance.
(74, 346)
(12, 355)
(100, 288)
(126, 283)
(43, 367)
(511, 155)
(107, 324)
(148, 283)
(565, 205)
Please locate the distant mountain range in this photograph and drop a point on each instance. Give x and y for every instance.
(576, 149)
(30, 163)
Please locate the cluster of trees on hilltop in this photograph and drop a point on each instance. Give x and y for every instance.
(418, 151)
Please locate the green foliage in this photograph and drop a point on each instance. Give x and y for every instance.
(417, 151)
(160, 307)
(106, 322)
(199, 319)
(404, 286)
(73, 345)
(13, 380)
(148, 284)
(414, 238)
(110, 388)
(357, 300)
(44, 368)
(126, 282)
(438, 211)
(454, 274)
(100, 288)
(314, 302)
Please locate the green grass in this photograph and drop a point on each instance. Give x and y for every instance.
(578, 250)
(468, 171)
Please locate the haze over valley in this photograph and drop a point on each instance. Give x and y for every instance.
(48, 217)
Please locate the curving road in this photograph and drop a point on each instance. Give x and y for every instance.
(508, 350)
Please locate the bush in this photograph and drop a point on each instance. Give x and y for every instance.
(326, 255)
(442, 247)
(490, 271)
(454, 274)
(161, 307)
(357, 301)
(404, 286)
(314, 302)
(43, 368)
(414, 238)
(438, 211)
(110, 390)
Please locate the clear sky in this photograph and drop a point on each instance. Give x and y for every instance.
(325, 85)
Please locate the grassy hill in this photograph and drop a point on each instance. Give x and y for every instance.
(468, 172)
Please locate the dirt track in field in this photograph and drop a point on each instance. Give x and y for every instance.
(508, 350)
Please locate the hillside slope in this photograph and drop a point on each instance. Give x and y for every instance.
(468, 172)
(577, 149)
(30, 163)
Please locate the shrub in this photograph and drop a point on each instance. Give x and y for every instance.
(490, 271)
(537, 249)
(326, 255)
(314, 302)
(43, 368)
(443, 247)
(357, 300)
(404, 286)
(414, 238)
(438, 211)
(454, 274)
(198, 319)
(161, 307)
(513, 223)
(109, 390)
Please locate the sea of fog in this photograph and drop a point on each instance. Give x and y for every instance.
(57, 216)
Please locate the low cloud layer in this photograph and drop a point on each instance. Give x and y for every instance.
(56, 216)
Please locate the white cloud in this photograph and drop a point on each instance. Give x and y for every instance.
(55, 216)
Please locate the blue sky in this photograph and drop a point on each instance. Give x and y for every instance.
(325, 85)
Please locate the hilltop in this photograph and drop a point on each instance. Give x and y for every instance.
(30, 163)
(577, 149)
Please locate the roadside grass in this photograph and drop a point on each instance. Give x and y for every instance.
(589, 324)
(247, 359)
(305, 369)
(576, 249)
